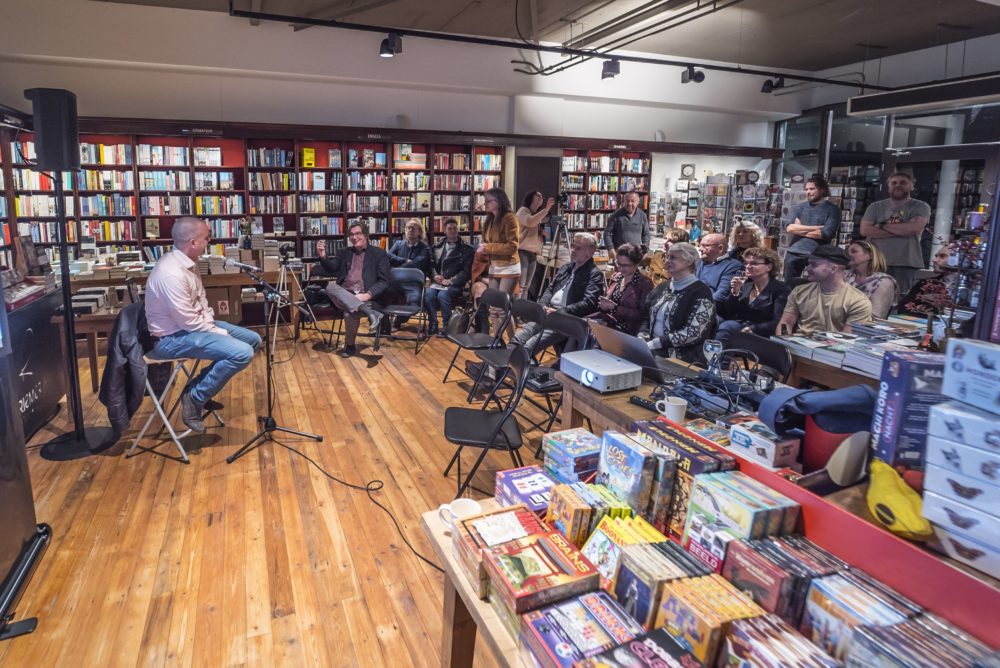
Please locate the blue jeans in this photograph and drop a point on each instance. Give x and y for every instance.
(443, 298)
(229, 355)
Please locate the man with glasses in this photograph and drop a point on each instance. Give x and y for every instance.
(895, 226)
(815, 222)
(183, 325)
(826, 303)
(628, 224)
(716, 269)
(361, 273)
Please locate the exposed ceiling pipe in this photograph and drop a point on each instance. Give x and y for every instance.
(624, 21)
(542, 48)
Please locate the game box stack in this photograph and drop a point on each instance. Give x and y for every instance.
(656, 649)
(571, 455)
(925, 640)
(769, 640)
(533, 571)
(643, 570)
(962, 483)
(603, 547)
(529, 485)
(472, 535)
(563, 633)
(626, 467)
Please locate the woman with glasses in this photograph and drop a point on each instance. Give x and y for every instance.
(868, 274)
(679, 315)
(621, 306)
(756, 298)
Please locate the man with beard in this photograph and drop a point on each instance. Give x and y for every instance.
(815, 223)
(895, 225)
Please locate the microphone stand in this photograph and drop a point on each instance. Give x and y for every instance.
(268, 423)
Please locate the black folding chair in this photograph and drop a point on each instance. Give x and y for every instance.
(402, 276)
(773, 358)
(521, 310)
(541, 379)
(475, 340)
(486, 429)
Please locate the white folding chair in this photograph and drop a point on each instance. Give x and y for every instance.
(180, 364)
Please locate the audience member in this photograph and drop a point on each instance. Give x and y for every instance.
(895, 225)
(867, 274)
(451, 269)
(412, 253)
(361, 273)
(182, 323)
(679, 315)
(621, 307)
(499, 245)
(716, 269)
(533, 210)
(756, 299)
(574, 290)
(746, 234)
(927, 290)
(815, 222)
(826, 303)
(657, 264)
(627, 225)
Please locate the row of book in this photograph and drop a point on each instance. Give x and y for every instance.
(367, 158)
(460, 182)
(280, 180)
(322, 181)
(411, 181)
(270, 157)
(107, 205)
(415, 202)
(47, 232)
(207, 156)
(483, 182)
(165, 205)
(109, 230)
(164, 180)
(323, 226)
(320, 203)
(452, 202)
(605, 201)
(272, 204)
(366, 181)
(42, 206)
(586, 221)
(218, 205)
(214, 180)
(150, 154)
(457, 161)
(104, 154)
(29, 179)
(489, 162)
(367, 203)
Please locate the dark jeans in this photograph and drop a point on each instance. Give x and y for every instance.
(443, 299)
(905, 277)
(794, 264)
(727, 328)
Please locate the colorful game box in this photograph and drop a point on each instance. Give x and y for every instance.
(626, 467)
(528, 485)
(472, 535)
(656, 649)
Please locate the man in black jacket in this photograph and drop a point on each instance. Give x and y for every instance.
(574, 290)
(362, 274)
(451, 262)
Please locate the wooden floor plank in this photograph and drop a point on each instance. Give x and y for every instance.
(266, 561)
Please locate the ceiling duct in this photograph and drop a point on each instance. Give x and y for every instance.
(953, 94)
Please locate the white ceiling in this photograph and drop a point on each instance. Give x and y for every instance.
(809, 35)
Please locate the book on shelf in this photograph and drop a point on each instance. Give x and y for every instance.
(308, 157)
(207, 156)
(152, 228)
(333, 156)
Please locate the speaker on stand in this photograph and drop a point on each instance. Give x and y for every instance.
(57, 149)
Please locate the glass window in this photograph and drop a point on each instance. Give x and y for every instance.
(800, 138)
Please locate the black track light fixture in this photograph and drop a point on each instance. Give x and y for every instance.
(691, 74)
(769, 86)
(391, 45)
(611, 69)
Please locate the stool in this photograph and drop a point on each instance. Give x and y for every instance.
(180, 364)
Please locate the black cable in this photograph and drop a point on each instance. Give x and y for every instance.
(367, 488)
(517, 23)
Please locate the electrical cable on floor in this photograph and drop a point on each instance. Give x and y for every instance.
(367, 488)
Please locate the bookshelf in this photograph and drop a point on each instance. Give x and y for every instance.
(34, 205)
(452, 182)
(218, 175)
(106, 188)
(163, 167)
(321, 195)
(6, 260)
(596, 181)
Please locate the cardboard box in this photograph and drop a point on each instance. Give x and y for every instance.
(962, 488)
(909, 385)
(756, 441)
(954, 516)
(951, 456)
(528, 485)
(972, 373)
(225, 308)
(967, 550)
(965, 424)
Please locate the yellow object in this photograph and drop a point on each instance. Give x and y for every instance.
(894, 503)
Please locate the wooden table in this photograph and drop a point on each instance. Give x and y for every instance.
(101, 321)
(813, 371)
(605, 411)
(464, 612)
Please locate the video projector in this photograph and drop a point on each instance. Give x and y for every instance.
(601, 371)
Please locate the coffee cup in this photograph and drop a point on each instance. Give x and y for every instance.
(457, 509)
(672, 408)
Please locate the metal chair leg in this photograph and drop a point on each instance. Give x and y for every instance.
(452, 462)
(451, 364)
(468, 479)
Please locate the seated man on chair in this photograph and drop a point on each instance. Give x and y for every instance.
(574, 290)
(184, 326)
(451, 269)
(411, 252)
(362, 274)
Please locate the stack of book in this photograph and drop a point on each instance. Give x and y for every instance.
(656, 648)
(643, 570)
(940, 644)
(472, 535)
(770, 641)
(571, 455)
(537, 570)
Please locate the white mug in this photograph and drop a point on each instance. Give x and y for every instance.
(672, 408)
(457, 509)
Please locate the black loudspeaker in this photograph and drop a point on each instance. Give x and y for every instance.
(57, 138)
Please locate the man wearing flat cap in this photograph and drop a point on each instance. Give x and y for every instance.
(826, 303)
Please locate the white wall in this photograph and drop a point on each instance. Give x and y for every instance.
(667, 168)
(151, 62)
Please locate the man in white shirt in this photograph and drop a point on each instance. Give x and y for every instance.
(183, 325)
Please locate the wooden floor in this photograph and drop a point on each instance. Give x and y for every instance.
(266, 561)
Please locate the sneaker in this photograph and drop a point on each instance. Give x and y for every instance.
(191, 414)
(348, 351)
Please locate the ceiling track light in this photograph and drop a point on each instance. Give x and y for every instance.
(611, 69)
(769, 86)
(391, 45)
(691, 74)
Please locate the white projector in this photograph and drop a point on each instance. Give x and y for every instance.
(601, 371)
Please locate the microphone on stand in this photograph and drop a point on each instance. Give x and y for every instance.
(230, 262)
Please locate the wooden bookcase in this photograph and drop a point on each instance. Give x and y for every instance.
(596, 182)
(131, 188)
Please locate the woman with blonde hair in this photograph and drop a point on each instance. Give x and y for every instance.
(868, 274)
(746, 234)
(756, 298)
